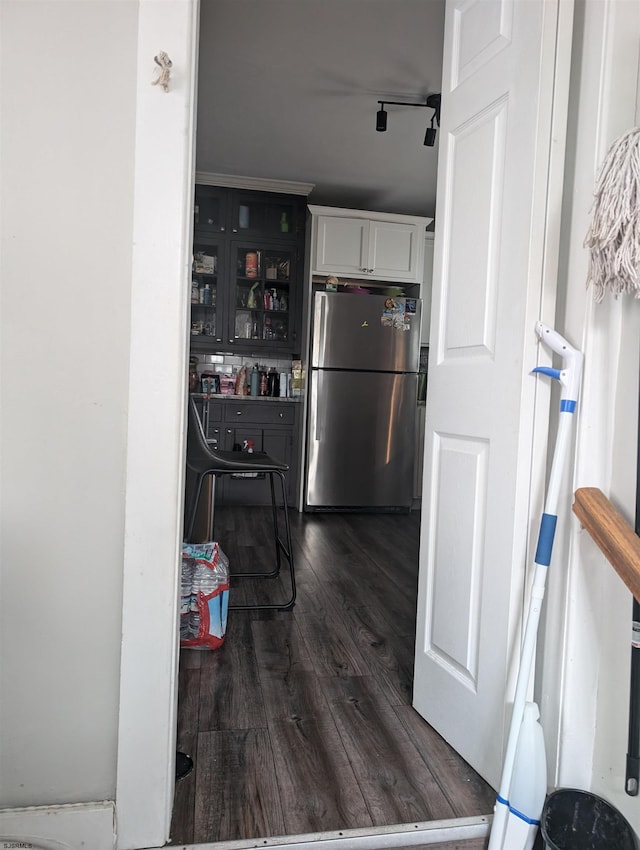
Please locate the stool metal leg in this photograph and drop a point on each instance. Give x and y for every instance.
(191, 521)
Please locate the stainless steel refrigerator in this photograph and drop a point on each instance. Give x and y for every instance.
(363, 383)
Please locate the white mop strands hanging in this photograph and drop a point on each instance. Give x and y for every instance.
(613, 239)
(523, 783)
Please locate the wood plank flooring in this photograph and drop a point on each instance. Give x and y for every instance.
(302, 720)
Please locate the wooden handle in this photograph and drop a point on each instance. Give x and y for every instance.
(612, 533)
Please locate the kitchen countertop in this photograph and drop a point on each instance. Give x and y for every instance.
(258, 398)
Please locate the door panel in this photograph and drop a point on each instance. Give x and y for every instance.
(394, 250)
(342, 245)
(460, 481)
(476, 151)
(361, 439)
(363, 332)
(482, 463)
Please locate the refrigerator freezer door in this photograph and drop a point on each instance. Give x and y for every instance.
(370, 332)
(361, 440)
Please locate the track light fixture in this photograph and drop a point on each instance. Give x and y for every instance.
(432, 102)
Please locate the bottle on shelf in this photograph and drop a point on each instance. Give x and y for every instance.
(207, 294)
(284, 224)
(273, 382)
(194, 377)
(254, 384)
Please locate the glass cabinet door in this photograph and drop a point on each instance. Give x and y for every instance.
(210, 210)
(262, 294)
(206, 315)
(270, 219)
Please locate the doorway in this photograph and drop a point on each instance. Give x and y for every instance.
(122, 747)
(232, 131)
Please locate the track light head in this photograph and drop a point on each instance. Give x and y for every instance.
(430, 137)
(381, 119)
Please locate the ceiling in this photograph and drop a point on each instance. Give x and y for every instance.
(288, 90)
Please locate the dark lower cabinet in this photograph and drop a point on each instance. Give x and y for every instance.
(271, 426)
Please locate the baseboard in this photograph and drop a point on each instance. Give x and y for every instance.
(73, 827)
(468, 833)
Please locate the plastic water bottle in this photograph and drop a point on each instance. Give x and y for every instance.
(528, 783)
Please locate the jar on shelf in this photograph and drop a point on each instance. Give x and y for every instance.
(251, 264)
(194, 377)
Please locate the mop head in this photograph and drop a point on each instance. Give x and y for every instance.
(613, 239)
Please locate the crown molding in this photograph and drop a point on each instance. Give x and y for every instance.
(261, 184)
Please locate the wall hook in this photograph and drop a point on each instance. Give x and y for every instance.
(162, 59)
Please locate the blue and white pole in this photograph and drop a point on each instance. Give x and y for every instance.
(522, 790)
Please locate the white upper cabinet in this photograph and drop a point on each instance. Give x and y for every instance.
(367, 245)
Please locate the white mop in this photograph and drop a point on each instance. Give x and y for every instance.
(613, 239)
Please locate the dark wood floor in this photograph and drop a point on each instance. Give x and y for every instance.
(302, 721)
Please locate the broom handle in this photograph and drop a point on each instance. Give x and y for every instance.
(632, 775)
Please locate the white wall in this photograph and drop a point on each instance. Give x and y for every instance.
(589, 608)
(68, 111)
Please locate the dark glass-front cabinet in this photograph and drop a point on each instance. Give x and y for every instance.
(247, 271)
(262, 294)
(211, 210)
(207, 292)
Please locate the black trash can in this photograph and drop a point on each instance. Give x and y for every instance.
(578, 820)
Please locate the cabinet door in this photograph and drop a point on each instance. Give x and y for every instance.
(279, 445)
(266, 216)
(262, 296)
(211, 210)
(247, 488)
(255, 490)
(208, 323)
(395, 251)
(341, 246)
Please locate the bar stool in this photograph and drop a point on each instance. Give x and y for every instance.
(204, 461)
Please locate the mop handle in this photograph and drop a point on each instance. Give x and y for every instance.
(569, 375)
(569, 378)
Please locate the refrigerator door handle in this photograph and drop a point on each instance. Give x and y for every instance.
(318, 416)
(320, 333)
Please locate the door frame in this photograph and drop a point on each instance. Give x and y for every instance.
(154, 487)
(155, 465)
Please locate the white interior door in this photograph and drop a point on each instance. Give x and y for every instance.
(503, 77)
